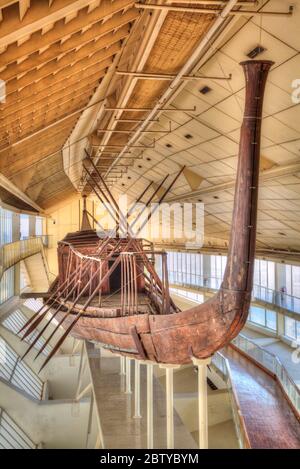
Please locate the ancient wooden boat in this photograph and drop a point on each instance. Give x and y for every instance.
(109, 292)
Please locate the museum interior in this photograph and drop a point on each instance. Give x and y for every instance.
(149, 224)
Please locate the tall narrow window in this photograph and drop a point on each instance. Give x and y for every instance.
(24, 226)
(38, 226)
(296, 281)
(5, 226)
(290, 327)
(7, 285)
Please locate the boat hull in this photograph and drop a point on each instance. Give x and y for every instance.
(170, 338)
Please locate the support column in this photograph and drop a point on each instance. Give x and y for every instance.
(31, 225)
(128, 376)
(280, 276)
(280, 283)
(137, 390)
(122, 366)
(170, 403)
(15, 226)
(149, 406)
(202, 400)
(206, 269)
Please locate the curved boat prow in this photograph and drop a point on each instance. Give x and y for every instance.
(206, 328)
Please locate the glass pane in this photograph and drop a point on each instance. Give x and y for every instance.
(7, 285)
(288, 274)
(24, 226)
(258, 315)
(296, 281)
(271, 275)
(5, 226)
(264, 273)
(256, 272)
(298, 331)
(38, 226)
(290, 327)
(271, 320)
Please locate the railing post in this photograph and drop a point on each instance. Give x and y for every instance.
(137, 390)
(202, 400)
(122, 366)
(149, 406)
(128, 376)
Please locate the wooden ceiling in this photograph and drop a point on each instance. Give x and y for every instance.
(53, 56)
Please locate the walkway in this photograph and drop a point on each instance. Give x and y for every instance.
(288, 356)
(269, 420)
(120, 429)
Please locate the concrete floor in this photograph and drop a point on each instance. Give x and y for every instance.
(116, 409)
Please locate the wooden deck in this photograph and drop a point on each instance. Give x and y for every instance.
(269, 420)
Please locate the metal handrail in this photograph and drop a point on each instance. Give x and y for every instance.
(11, 435)
(259, 292)
(12, 253)
(222, 364)
(272, 363)
(15, 372)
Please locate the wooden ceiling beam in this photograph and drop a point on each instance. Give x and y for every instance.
(87, 86)
(54, 50)
(36, 94)
(54, 68)
(27, 137)
(24, 5)
(33, 147)
(81, 69)
(52, 118)
(43, 118)
(62, 31)
(40, 15)
(30, 65)
(12, 162)
(42, 115)
(7, 3)
(26, 158)
(47, 99)
(13, 189)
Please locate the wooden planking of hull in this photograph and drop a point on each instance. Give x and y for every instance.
(94, 270)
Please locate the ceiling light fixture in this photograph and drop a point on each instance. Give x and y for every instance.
(205, 90)
(255, 52)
